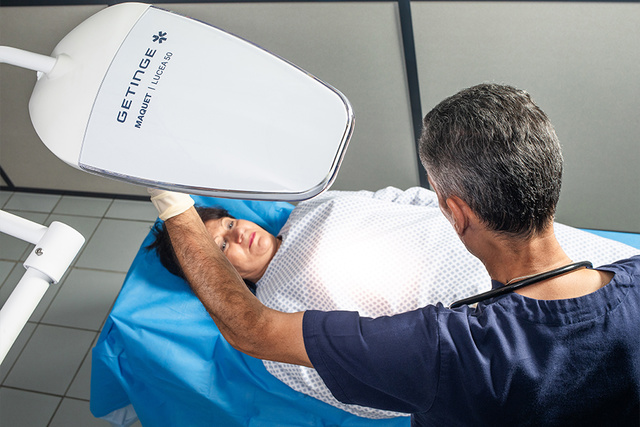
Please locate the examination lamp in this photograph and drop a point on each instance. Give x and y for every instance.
(150, 97)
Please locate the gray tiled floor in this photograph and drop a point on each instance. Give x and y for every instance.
(45, 378)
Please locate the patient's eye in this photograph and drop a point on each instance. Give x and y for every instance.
(221, 242)
(230, 225)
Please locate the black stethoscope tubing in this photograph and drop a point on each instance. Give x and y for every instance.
(521, 284)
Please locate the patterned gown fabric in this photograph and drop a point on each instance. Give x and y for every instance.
(380, 254)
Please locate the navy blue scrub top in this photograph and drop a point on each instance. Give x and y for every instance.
(511, 360)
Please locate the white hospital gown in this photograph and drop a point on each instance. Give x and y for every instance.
(380, 254)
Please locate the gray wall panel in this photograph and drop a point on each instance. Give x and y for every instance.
(579, 61)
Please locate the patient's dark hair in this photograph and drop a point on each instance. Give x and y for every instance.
(163, 247)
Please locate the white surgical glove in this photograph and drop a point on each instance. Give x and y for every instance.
(169, 203)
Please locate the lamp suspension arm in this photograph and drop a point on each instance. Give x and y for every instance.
(56, 247)
(26, 59)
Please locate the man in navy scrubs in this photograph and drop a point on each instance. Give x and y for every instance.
(562, 351)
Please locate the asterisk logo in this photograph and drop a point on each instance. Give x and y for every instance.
(160, 37)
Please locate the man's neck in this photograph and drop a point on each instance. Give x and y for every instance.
(507, 259)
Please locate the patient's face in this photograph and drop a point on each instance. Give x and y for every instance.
(248, 246)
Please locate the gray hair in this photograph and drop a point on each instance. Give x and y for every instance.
(494, 148)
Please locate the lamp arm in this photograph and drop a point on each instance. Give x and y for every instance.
(26, 59)
(55, 248)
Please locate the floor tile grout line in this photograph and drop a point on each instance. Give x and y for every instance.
(28, 210)
(37, 324)
(104, 216)
(53, 415)
(77, 371)
(17, 264)
(8, 199)
(15, 261)
(20, 262)
(86, 354)
(19, 354)
(62, 397)
(55, 206)
(100, 270)
(75, 328)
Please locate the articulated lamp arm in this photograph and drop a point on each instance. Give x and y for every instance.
(55, 248)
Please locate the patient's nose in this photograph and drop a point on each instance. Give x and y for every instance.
(237, 234)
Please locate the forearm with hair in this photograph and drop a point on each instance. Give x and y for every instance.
(243, 320)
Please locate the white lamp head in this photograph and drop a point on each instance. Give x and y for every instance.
(150, 97)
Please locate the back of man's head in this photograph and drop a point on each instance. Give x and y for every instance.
(494, 148)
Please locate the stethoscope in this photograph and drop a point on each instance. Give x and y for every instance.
(521, 283)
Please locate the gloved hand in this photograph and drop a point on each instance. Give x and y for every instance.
(169, 203)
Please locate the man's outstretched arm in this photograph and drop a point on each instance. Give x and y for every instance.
(246, 323)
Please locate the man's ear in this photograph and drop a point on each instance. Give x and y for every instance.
(460, 214)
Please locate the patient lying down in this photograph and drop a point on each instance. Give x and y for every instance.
(249, 247)
(378, 253)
